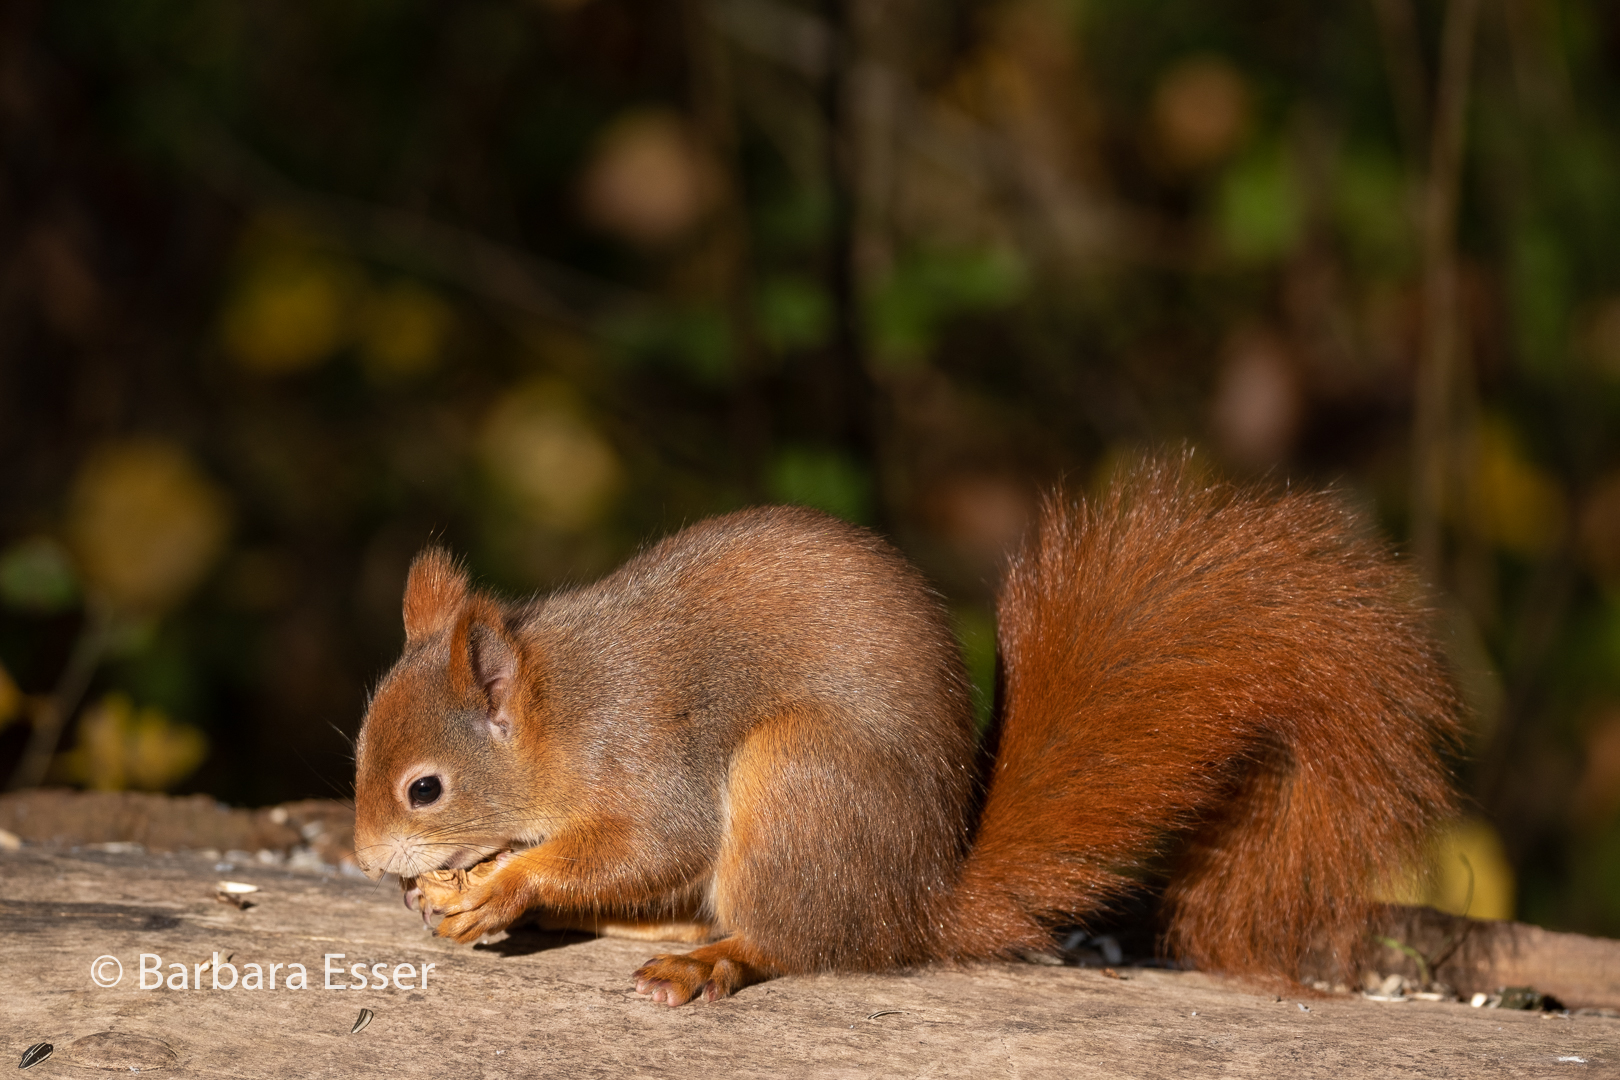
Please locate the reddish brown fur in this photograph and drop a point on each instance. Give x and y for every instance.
(765, 712)
(1252, 668)
(433, 593)
(762, 723)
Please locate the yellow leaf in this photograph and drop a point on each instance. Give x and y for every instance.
(145, 523)
(121, 748)
(97, 760)
(1518, 504)
(160, 752)
(402, 330)
(548, 455)
(288, 313)
(1466, 871)
(1470, 851)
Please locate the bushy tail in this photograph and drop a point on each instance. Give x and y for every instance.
(1243, 670)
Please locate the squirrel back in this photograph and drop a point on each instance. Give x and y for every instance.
(762, 724)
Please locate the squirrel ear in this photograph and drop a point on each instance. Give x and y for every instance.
(434, 593)
(484, 659)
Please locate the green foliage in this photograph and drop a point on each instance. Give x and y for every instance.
(1259, 210)
(1597, 874)
(976, 633)
(37, 575)
(927, 288)
(1372, 211)
(823, 479)
(1539, 279)
(791, 222)
(159, 668)
(793, 313)
(694, 340)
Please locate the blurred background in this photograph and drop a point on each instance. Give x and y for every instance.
(291, 288)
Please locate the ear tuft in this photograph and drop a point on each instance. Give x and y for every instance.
(435, 592)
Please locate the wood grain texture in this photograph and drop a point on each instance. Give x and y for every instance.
(544, 1006)
(1481, 955)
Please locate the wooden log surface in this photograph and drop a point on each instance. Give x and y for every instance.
(134, 878)
(1480, 956)
(539, 1005)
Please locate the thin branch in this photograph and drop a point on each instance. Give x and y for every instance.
(1438, 363)
(50, 717)
(1403, 62)
(854, 396)
(714, 108)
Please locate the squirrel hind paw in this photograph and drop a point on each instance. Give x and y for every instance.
(676, 978)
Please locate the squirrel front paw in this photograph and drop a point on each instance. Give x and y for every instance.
(483, 900)
(432, 893)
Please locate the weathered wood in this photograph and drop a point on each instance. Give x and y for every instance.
(1468, 955)
(1482, 955)
(318, 827)
(539, 1005)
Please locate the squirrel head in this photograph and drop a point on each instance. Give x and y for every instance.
(439, 777)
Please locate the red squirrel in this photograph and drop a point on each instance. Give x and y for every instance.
(760, 728)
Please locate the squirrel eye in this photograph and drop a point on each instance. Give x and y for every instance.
(424, 791)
